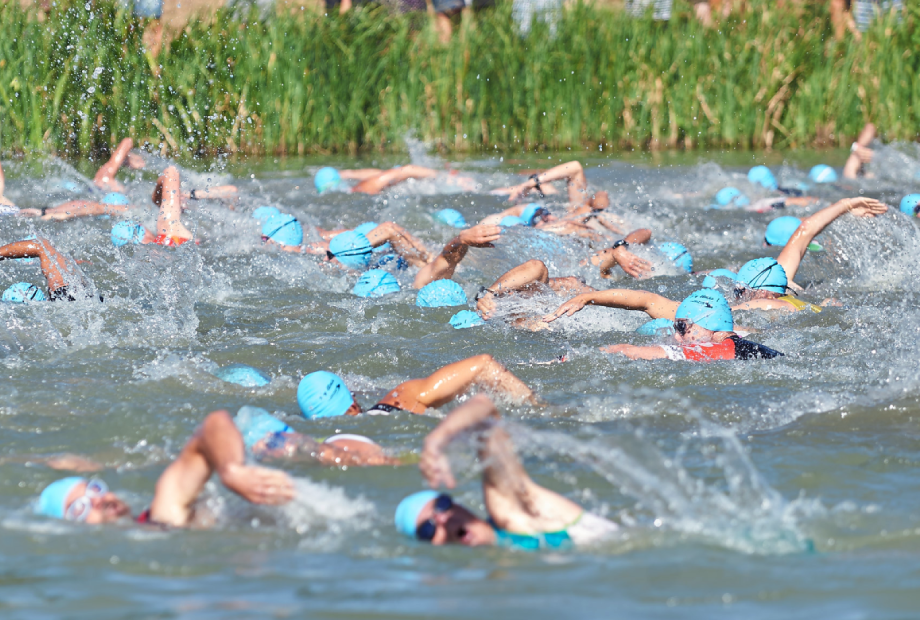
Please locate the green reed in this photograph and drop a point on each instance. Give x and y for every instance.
(296, 83)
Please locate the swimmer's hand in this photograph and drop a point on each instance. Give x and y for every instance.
(864, 154)
(865, 207)
(135, 161)
(486, 305)
(480, 236)
(568, 308)
(435, 466)
(632, 264)
(259, 485)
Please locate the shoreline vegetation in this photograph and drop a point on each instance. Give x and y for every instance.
(77, 78)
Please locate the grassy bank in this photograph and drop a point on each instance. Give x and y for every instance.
(302, 83)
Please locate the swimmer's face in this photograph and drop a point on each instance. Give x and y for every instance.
(692, 333)
(353, 410)
(105, 509)
(743, 294)
(457, 526)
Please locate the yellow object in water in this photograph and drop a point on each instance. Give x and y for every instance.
(799, 304)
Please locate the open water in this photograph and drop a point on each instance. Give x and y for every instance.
(786, 488)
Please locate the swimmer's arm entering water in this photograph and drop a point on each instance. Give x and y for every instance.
(655, 306)
(105, 176)
(514, 501)
(629, 262)
(167, 195)
(298, 448)
(377, 183)
(445, 263)
(217, 447)
(406, 245)
(56, 268)
(861, 154)
(523, 278)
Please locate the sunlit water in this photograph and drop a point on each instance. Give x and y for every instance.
(785, 488)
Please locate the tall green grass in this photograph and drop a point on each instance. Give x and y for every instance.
(304, 83)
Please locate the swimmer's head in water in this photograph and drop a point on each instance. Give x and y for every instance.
(255, 424)
(451, 217)
(441, 293)
(352, 249)
(677, 254)
(910, 205)
(22, 292)
(761, 175)
(730, 197)
(657, 327)
(433, 517)
(127, 232)
(465, 319)
(600, 201)
(283, 229)
(323, 394)
(375, 283)
(512, 220)
(264, 213)
(822, 173)
(534, 213)
(115, 198)
(763, 274)
(81, 500)
(706, 308)
(244, 375)
(327, 179)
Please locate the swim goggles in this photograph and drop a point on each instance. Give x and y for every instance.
(80, 508)
(426, 529)
(682, 326)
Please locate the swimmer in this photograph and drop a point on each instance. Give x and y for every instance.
(122, 155)
(267, 437)
(322, 394)
(860, 154)
(61, 272)
(170, 230)
(374, 180)
(216, 447)
(702, 323)
(521, 514)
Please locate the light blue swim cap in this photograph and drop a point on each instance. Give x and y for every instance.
(254, 423)
(51, 501)
(451, 217)
(531, 211)
(264, 213)
(822, 173)
(465, 319)
(761, 175)
(115, 198)
(284, 229)
(708, 309)
(352, 249)
(124, 232)
(365, 228)
(21, 292)
(656, 327)
(780, 230)
(407, 512)
(375, 283)
(763, 274)
(512, 220)
(326, 179)
(730, 197)
(441, 293)
(244, 375)
(710, 280)
(678, 254)
(909, 204)
(323, 394)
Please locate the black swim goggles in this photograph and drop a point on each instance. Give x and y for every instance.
(682, 326)
(426, 529)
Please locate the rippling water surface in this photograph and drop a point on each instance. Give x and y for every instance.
(786, 488)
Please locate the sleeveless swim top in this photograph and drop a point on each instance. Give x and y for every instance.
(799, 304)
(166, 241)
(532, 542)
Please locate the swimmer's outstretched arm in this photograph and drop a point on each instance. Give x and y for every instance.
(298, 447)
(861, 154)
(217, 447)
(218, 192)
(378, 183)
(406, 245)
(655, 306)
(105, 176)
(635, 352)
(811, 226)
(574, 176)
(81, 208)
(54, 265)
(522, 278)
(445, 263)
(360, 174)
(167, 195)
(514, 501)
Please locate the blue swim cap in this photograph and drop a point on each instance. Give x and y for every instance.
(352, 249)
(678, 254)
(730, 197)
(710, 280)
(466, 318)
(254, 423)
(656, 327)
(51, 501)
(115, 198)
(365, 228)
(124, 232)
(21, 292)
(284, 229)
(322, 394)
(531, 212)
(512, 220)
(708, 309)
(780, 230)
(326, 179)
(822, 173)
(407, 512)
(910, 203)
(441, 293)
(263, 214)
(763, 274)
(375, 283)
(761, 175)
(244, 375)
(451, 217)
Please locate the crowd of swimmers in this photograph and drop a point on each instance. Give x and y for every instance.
(521, 513)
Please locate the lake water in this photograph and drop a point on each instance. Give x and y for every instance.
(785, 488)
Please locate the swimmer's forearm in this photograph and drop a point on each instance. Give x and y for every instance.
(641, 236)
(471, 414)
